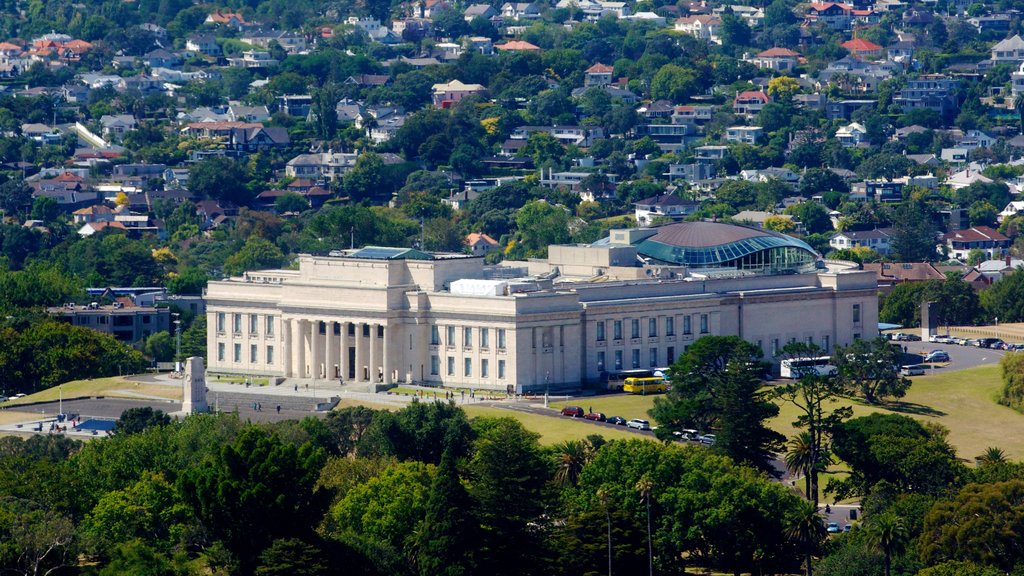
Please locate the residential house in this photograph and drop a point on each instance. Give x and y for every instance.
(485, 11)
(69, 190)
(117, 125)
(776, 59)
(122, 319)
(863, 48)
(291, 43)
(855, 75)
(833, 15)
(203, 44)
(254, 59)
(964, 178)
(517, 46)
(973, 139)
(1014, 208)
(693, 114)
(480, 244)
(228, 19)
(1017, 82)
(518, 11)
(657, 109)
(386, 127)
(892, 273)
(954, 155)
(852, 134)
(749, 103)
(961, 242)
(324, 166)
(710, 152)
(930, 91)
(41, 133)
(991, 23)
(902, 51)
(94, 213)
(159, 32)
(744, 134)
(704, 27)
(161, 58)
(449, 93)
(879, 240)
(480, 45)
(373, 29)
(1009, 51)
(598, 75)
(753, 16)
(581, 136)
(771, 173)
(757, 218)
(297, 105)
(663, 206)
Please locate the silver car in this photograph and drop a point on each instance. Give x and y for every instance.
(638, 424)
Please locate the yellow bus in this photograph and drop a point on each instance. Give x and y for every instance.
(650, 385)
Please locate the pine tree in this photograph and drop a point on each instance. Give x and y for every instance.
(447, 537)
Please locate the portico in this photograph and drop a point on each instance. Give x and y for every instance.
(338, 350)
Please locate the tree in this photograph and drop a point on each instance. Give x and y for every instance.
(914, 234)
(893, 450)
(45, 209)
(193, 339)
(889, 534)
(137, 557)
(571, 456)
(447, 541)
(220, 178)
(779, 224)
(540, 225)
(807, 529)
(160, 346)
(716, 386)
(290, 202)
(1002, 299)
(135, 420)
(188, 281)
(366, 178)
(871, 368)
(292, 556)
(255, 477)
(734, 32)
(15, 196)
(255, 254)
(508, 475)
(980, 524)
(674, 83)
(783, 88)
(812, 215)
(1012, 394)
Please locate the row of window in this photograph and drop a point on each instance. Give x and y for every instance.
(483, 336)
(236, 355)
(826, 344)
(652, 327)
(467, 367)
(254, 323)
(653, 358)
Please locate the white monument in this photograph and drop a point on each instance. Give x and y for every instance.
(194, 386)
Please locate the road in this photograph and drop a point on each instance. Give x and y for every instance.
(961, 357)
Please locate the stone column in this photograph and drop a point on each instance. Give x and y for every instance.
(316, 346)
(332, 351)
(388, 364)
(360, 351)
(344, 351)
(285, 351)
(299, 348)
(374, 360)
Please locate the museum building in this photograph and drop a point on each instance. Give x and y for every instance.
(633, 300)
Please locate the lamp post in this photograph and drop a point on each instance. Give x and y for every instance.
(177, 341)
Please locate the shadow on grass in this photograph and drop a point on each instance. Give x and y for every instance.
(912, 408)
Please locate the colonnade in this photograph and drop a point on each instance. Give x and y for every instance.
(331, 350)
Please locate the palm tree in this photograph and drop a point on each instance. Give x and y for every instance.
(992, 455)
(644, 487)
(807, 529)
(571, 456)
(800, 460)
(888, 533)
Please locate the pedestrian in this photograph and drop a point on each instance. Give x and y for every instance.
(296, 387)
(253, 406)
(278, 408)
(904, 349)
(259, 407)
(307, 386)
(590, 409)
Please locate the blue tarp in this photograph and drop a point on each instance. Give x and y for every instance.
(883, 326)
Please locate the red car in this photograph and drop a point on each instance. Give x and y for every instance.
(574, 411)
(596, 416)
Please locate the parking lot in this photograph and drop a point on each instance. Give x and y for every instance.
(960, 357)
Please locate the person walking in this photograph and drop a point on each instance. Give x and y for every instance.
(278, 408)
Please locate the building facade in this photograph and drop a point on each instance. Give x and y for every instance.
(634, 300)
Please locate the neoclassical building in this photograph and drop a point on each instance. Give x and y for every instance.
(635, 299)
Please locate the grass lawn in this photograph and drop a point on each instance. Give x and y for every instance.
(625, 405)
(553, 430)
(115, 386)
(963, 401)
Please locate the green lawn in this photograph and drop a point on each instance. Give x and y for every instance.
(554, 430)
(625, 405)
(963, 401)
(115, 386)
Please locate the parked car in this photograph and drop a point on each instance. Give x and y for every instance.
(1015, 347)
(833, 527)
(574, 411)
(708, 439)
(686, 434)
(937, 356)
(595, 416)
(638, 424)
(910, 337)
(912, 370)
(938, 338)
(962, 342)
(617, 420)
(994, 343)
(846, 527)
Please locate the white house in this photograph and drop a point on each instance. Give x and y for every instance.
(878, 240)
(852, 134)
